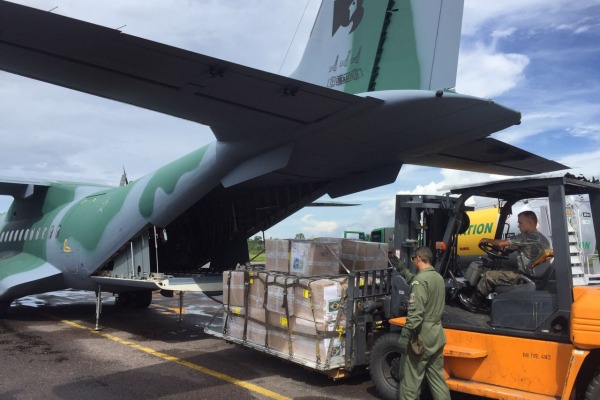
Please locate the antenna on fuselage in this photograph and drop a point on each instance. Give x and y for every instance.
(294, 37)
(124, 180)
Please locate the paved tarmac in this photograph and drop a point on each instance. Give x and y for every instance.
(49, 349)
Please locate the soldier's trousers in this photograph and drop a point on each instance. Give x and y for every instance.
(488, 281)
(415, 369)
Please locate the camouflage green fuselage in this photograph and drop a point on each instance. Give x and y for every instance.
(64, 232)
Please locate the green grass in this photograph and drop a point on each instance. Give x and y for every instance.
(260, 258)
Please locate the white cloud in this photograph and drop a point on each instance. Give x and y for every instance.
(581, 26)
(483, 72)
(533, 13)
(565, 116)
(504, 33)
(312, 228)
(450, 178)
(585, 163)
(592, 131)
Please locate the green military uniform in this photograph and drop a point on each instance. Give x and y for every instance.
(425, 308)
(530, 246)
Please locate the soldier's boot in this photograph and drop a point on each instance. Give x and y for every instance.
(476, 303)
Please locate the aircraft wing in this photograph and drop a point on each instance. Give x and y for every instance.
(20, 187)
(492, 156)
(24, 188)
(374, 134)
(232, 99)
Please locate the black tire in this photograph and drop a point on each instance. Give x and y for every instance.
(137, 299)
(4, 306)
(142, 299)
(124, 299)
(385, 365)
(593, 390)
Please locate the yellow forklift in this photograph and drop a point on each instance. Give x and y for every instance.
(541, 337)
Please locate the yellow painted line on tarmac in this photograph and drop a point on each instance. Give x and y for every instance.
(168, 310)
(250, 386)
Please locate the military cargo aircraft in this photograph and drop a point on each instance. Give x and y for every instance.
(372, 92)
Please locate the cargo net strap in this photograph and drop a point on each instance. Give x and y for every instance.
(354, 256)
(333, 253)
(387, 254)
(284, 326)
(212, 320)
(339, 331)
(289, 282)
(228, 307)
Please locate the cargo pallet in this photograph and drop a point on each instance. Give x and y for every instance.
(366, 310)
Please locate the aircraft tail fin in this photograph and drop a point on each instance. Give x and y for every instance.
(361, 46)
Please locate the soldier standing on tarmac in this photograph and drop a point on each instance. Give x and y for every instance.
(422, 339)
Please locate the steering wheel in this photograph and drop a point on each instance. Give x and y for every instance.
(493, 250)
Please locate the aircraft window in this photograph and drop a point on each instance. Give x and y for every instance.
(2, 237)
(50, 232)
(37, 234)
(57, 231)
(10, 236)
(26, 234)
(44, 232)
(20, 235)
(31, 233)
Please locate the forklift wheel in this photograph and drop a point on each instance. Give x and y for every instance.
(593, 389)
(385, 365)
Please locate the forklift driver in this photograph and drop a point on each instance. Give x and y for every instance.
(529, 244)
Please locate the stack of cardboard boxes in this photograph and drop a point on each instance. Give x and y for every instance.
(296, 305)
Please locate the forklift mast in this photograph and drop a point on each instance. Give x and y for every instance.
(432, 221)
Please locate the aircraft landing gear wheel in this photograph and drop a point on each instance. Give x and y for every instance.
(124, 299)
(138, 299)
(4, 306)
(142, 299)
(385, 365)
(593, 390)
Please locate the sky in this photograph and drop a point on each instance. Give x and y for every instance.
(538, 57)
